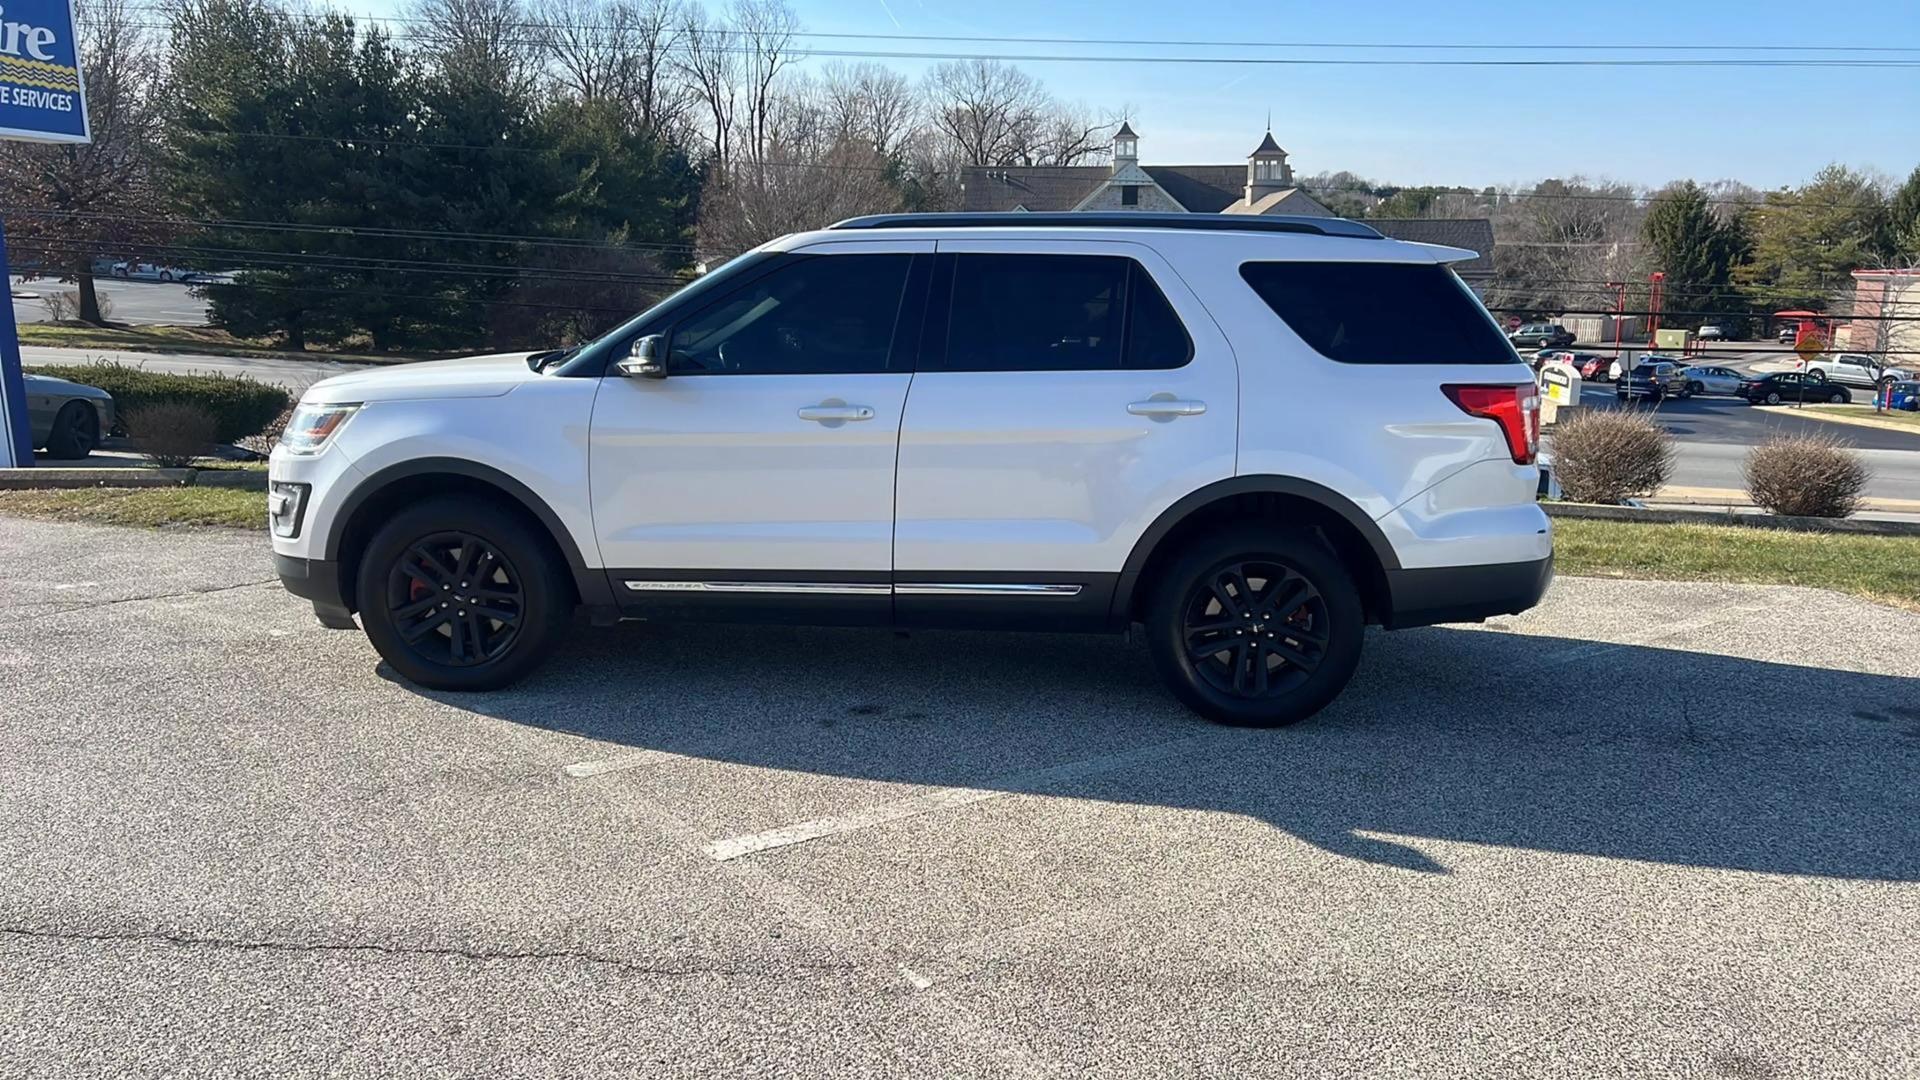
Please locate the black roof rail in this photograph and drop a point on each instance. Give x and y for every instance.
(1125, 219)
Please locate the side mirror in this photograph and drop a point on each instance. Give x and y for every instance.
(648, 360)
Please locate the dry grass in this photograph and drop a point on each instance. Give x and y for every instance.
(1884, 568)
(149, 507)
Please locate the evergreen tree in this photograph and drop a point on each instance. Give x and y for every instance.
(1806, 241)
(1904, 219)
(1695, 249)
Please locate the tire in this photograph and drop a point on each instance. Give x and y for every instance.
(431, 544)
(1195, 588)
(166, 275)
(1773, 397)
(1838, 397)
(76, 431)
(1696, 388)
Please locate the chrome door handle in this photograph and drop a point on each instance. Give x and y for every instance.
(1166, 408)
(835, 413)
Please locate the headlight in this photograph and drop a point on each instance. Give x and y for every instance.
(312, 425)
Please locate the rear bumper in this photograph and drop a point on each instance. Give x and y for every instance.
(1464, 593)
(317, 580)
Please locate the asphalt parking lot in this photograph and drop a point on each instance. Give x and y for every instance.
(1643, 830)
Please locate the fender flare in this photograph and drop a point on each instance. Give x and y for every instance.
(1170, 518)
(591, 581)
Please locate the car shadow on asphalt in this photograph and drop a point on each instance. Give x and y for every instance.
(1481, 736)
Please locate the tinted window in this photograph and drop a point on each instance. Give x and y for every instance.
(824, 315)
(1380, 313)
(1059, 313)
(1155, 336)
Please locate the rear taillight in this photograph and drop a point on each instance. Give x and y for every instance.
(1515, 408)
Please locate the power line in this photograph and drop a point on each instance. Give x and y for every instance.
(1290, 61)
(1505, 46)
(377, 232)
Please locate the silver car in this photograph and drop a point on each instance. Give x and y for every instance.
(65, 418)
(1710, 379)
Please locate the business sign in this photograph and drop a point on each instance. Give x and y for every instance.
(41, 95)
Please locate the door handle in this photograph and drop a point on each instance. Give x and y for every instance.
(834, 414)
(1166, 407)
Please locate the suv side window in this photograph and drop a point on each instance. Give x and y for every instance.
(1028, 312)
(1380, 313)
(822, 315)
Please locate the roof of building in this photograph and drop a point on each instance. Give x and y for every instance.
(1267, 146)
(1285, 201)
(1473, 234)
(1125, 132)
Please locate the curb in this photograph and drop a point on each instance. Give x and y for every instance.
(1857, 421)
(44, 477)
(1652, 516)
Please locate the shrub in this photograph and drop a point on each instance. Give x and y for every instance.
(1806, 476)
(64, 306)
(262, 442)
(239, 406)
(171, 433)
(1607, 457)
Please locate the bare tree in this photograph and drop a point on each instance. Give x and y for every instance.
(763, 33)
(997, 114)
(756, 201)
(986, 108)
(871, 103)
(620, 51)
(486, 40)
(78, 202)
(710, 65)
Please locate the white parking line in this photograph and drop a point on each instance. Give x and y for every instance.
(636, 760)
(733, 847)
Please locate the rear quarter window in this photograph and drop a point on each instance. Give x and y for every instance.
(1380, 313)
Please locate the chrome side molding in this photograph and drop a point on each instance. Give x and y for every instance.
(855, 588)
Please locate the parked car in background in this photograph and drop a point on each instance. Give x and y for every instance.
(146, 271)
(1787, 334)
(1654, 380)
(1541, 357)
(1904, 396)
(1712, 332)
(1591, 366)
(1541, 335)
(66, 418)
(1712, 379)
(1852, 369)
(1791, 386)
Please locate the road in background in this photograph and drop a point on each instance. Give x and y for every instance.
(133, 303)
(295, 375)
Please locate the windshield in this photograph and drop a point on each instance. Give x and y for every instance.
(592, 357)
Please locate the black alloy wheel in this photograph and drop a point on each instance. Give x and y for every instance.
(463, 592)
(76, 431)
(455, 599)
(1255, 624)
(1255, 629)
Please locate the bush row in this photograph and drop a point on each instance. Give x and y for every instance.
(1614, 455)
(239, 406)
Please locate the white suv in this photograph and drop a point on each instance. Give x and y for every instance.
(1251, 435)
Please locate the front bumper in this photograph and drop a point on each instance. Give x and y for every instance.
(1444, 594)
(316, 580)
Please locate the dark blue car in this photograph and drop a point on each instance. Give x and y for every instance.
(1905, 395)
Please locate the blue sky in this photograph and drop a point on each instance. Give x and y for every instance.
(1765, 126)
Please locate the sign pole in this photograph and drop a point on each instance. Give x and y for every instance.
(17, 449)
(43, 98)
